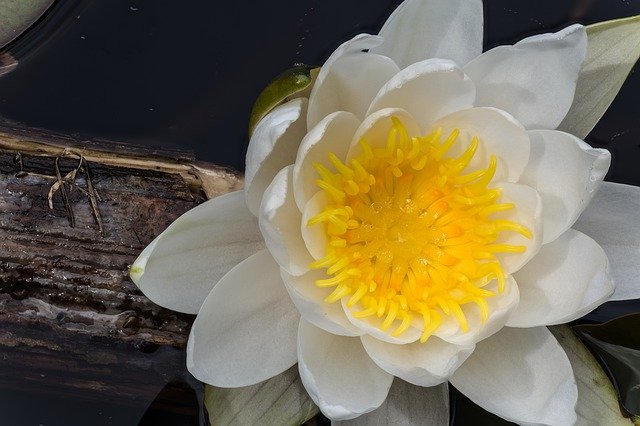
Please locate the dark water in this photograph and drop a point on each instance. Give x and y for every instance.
(185, 74)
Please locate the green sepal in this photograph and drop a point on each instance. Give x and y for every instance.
(612, 51)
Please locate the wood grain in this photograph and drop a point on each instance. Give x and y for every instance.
(73, 216)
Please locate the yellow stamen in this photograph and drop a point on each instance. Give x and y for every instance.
(411, 233)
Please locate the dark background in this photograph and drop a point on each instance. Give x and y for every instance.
(161, 72)
(185, 74)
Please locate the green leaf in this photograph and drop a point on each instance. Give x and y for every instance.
(616, 343)
(281, 400)
(613, 49)
(294, 83)
(597, 399)
(17, 15)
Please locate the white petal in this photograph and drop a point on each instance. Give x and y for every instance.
(612, 220)
(272, 146)
(421, 29)
(499, 134)
(181, 266)
(355, 46)
(568, 278)
(371, 326)
(428, 90)
(523, 376)
(339, 376)
(375, 129)
(535, 79)
(501, 307)
(246, 330)
(408, 405)
(280, 225)
(332, 134)
(566, 172)
(315, 236)
(528, 212)
(350, 85)
(309, 299)
(422, 364)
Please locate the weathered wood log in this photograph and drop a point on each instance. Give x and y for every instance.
(73, 216)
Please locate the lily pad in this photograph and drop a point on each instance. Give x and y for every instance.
(617, 345)
(18, 15)
(293, 83)
(280, 400)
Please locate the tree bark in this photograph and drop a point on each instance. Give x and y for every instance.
(73, 216)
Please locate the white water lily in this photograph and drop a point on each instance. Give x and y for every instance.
(417, 217)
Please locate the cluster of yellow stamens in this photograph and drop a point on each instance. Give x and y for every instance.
(410, 234)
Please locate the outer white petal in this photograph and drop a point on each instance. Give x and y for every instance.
(339, 376)
(272, 146)
(422, 364)
(528, 212)
(612, 220)
(501, 307)
(428, 90)
(535, 79)
(371, 326)
(309, 299)
(181, 266)
(355, 46)
(568, 278)
(566, 172)
(375, 129)
(499, 134)
(246, 329)
(332, 134)
(522, 375)
(351, 83)
(408, 405)
(280, 224)
(421, 29)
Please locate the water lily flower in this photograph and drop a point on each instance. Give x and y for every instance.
(418, 217)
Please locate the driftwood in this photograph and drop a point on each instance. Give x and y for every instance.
(73, 216)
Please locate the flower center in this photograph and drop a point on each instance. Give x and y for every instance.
(410, 237)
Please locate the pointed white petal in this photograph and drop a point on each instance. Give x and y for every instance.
(421, 29)
(339, 376)
(272, 146)
(566, 172)
(428, 90)
(355, 46)
(527, 212)
(332, 134)
(612, 220)
(499, 134)
(350, 85)
(422, 364)
(523, 376)
(280, 225)
(533, 80)
(375, 129)
(246, 329)
(408, 405)
(309, 299)
(501, 306)
(181, 266)
(568, 278)
(372, 326)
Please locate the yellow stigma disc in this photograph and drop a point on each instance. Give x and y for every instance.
(410, 236)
